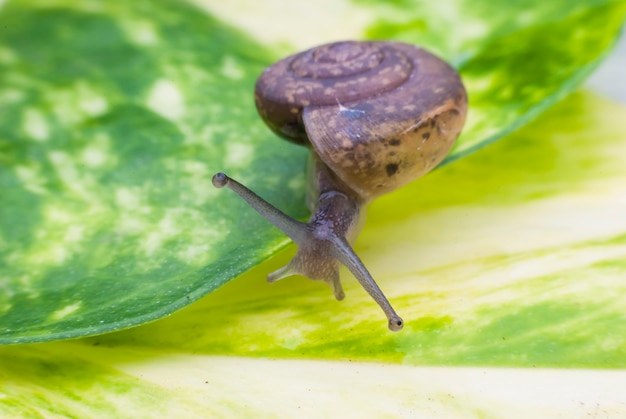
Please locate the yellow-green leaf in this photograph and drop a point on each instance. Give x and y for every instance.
(521, 270)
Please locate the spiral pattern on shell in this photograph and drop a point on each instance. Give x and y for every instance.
(330, 74)
(379, 114)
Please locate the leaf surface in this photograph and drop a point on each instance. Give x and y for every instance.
(523, 268)
(514, 300)
(116, 114)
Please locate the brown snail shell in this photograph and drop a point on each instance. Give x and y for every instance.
(378, 114)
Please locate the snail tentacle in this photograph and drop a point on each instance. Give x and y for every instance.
(344, 253)
(295, 229)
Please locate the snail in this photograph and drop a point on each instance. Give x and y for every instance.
(375, 116)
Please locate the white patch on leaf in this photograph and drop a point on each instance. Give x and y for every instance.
(238, 155)
(141, 32)
(65, 311)
(93, 105)
(169, 225)
(198, 189)
(295, 337)
(231, 68)
(64, 106)
(76, 103)
(74, 233)
(166, 99)
(152, 243)
(128, 198)
(98, 152)
(94, 157)
(133, 219)
(59, 237)
(90, 101)
(194, 254)
(31, 179)
(9, 96)
(130, 225)
(75, 179)
(296, 183)
(35, 125)
(45, 257)
(166, 229)
(182, 222)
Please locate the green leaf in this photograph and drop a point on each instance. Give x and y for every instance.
(113, 123)
(524, 269)
(515, 76)
(116, 114)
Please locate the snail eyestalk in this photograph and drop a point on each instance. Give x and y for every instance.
(296, 230)
(351, 260)
(322, 242)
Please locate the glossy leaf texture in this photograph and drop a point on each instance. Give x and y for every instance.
(116, 114)
(515, 296)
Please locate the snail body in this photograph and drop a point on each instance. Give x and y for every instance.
(376, 116)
